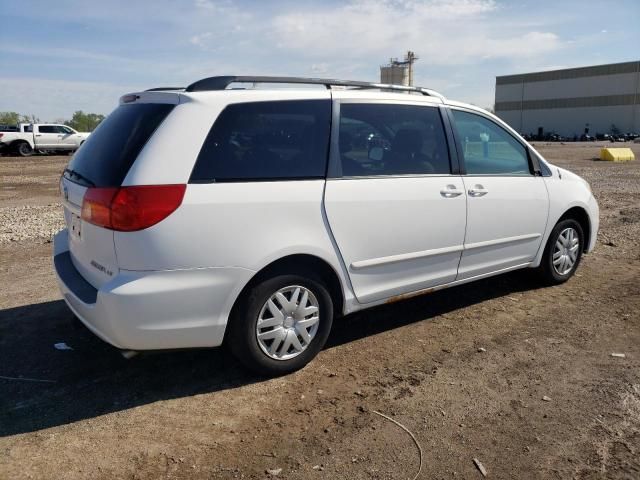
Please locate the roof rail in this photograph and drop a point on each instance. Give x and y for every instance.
(221, 83)
(162, 89)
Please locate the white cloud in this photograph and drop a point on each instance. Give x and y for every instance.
(441, 31)
(460, 42)
(199, 40)
(531, 44)
(206, 4)
(320, 68)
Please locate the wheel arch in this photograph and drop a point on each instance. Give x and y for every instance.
(581, 216)
(299, 263)
(15, 143)
(577, 211)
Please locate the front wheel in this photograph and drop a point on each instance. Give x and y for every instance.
(563, 252)
(281, 324)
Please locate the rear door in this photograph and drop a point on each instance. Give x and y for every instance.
(396, 209)
(92, 250)
(507, 203)
(102, 163)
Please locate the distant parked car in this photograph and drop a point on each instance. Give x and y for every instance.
(587, 138)
(554, 137)
(28, 138)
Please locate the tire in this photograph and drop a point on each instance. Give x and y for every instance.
(24, 149)
(561, 272)
(244, 329)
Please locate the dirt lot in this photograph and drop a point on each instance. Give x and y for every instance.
(545, 400)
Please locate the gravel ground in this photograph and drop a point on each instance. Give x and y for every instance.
(30, 222)
(517, 376)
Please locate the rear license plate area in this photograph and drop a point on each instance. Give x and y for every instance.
(75, 226)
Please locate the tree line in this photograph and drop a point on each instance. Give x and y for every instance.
(80, 121)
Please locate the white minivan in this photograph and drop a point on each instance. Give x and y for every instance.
(255, 216)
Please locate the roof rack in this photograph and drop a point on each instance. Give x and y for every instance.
(162, 89)
(221, 83)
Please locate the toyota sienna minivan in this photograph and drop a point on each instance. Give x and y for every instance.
(251, 216)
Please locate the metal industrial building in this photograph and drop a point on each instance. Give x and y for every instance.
(573, 101)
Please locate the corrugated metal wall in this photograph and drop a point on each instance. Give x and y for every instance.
(566, 101)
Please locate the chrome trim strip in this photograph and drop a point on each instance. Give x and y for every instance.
(500, 241)
(375, 262)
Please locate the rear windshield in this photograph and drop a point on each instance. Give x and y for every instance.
(108, 153)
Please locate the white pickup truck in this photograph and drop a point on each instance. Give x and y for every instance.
(27, 138)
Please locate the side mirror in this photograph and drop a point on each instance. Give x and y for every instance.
(376, 154)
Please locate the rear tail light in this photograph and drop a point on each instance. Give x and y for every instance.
(96, 206)
(1, 134)
(127, 209)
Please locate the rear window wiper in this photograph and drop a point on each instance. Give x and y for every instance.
(79, 176)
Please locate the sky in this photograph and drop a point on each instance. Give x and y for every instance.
(60, 56)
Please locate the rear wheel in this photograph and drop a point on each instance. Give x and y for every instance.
(563, 252)
(24, 149)
(281, 324)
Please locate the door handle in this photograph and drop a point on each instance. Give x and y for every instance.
(38, 135)
(477, 191)
(450, 192)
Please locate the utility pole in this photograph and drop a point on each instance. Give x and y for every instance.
(409, 59)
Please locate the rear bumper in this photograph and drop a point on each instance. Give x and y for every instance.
(155, 309)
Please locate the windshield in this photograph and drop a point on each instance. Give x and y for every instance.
(108, 153)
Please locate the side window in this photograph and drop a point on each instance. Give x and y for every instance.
(266, 141)
(488, 148)
(47, 129)
(388, 139)
(63, 129)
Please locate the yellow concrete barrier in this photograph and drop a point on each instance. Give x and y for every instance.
(616, 154)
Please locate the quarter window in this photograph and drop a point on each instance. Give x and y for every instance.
(266, 141)
(388, 139)
(489, 149)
